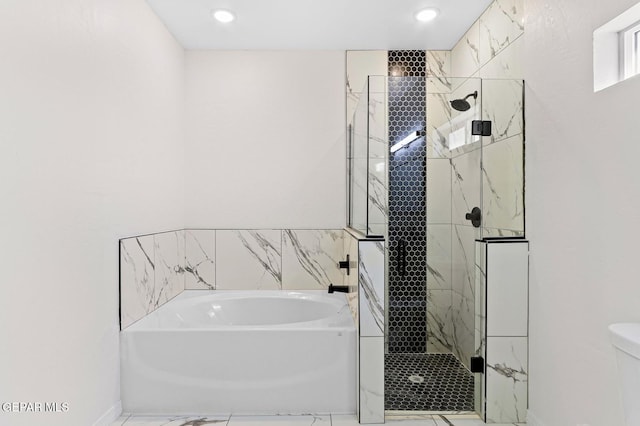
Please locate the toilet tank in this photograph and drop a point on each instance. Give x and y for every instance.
(625, 337)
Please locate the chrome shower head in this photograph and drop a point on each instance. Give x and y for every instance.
(462, 104)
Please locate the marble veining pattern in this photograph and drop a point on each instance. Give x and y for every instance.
(371, 380)
(138, 295)
(439, 191)
(503, 106)
(377, 130)
(465, 56)
(438, 124)
(496, 232)
(507, 378)
(439, 321)
(200, 265)
(502, 183)
(439, 257)
(500, 25)
(303, 420)
(151, 273)
(480, 323)
(169, 260)
(438, 71)
(359, 202)
(371, 287)
(507, 64)
(249, 259)
(378, 189)
(361, 64)
(463, 291)
(465, 185)
(173, 421)
(310, 259)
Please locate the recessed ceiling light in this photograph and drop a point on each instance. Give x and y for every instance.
(426, 15)
(223, 16)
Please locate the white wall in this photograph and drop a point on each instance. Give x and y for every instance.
(90, 151)
(265, 139)
(582, 209)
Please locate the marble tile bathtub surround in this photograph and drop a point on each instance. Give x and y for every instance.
(200, 254)
(310, 259)
(169, 249)
(156, 268)
(138, 294)
(151, 273)
(249, 259)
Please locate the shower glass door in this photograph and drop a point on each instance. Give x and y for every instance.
(434, 318)
(367, 156)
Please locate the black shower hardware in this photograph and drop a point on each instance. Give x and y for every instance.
(477, 364)
(345, 265)
(462, 104)
(402, 256)
(475, 217)
(338, 288)
(481, 127)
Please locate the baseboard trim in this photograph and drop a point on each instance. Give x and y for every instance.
(532, 420)
(110, 415)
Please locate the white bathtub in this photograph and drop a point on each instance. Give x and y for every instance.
(242, 352)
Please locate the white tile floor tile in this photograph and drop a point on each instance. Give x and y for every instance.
(280, 421)
(175, 421)
(308, 420)
(344, 420)
(468, 422)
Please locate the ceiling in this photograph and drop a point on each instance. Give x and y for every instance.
(318, 24)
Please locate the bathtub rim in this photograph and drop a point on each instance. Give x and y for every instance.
(345, 321)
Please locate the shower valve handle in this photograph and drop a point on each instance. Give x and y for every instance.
(475, 217)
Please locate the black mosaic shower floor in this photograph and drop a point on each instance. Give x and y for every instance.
(427, 382)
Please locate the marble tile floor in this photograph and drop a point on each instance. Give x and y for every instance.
(302, 420)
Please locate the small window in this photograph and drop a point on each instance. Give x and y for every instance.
(616, 49)
(630, 49)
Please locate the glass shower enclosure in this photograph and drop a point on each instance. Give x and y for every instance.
(434, 164)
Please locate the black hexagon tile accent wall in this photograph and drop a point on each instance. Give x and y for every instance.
(407, 204)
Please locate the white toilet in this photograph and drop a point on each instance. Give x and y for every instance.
(626, 339)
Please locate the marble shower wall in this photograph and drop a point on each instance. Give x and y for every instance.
(156, 268)
(488, 58)
(492, 50)
(152, 272)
